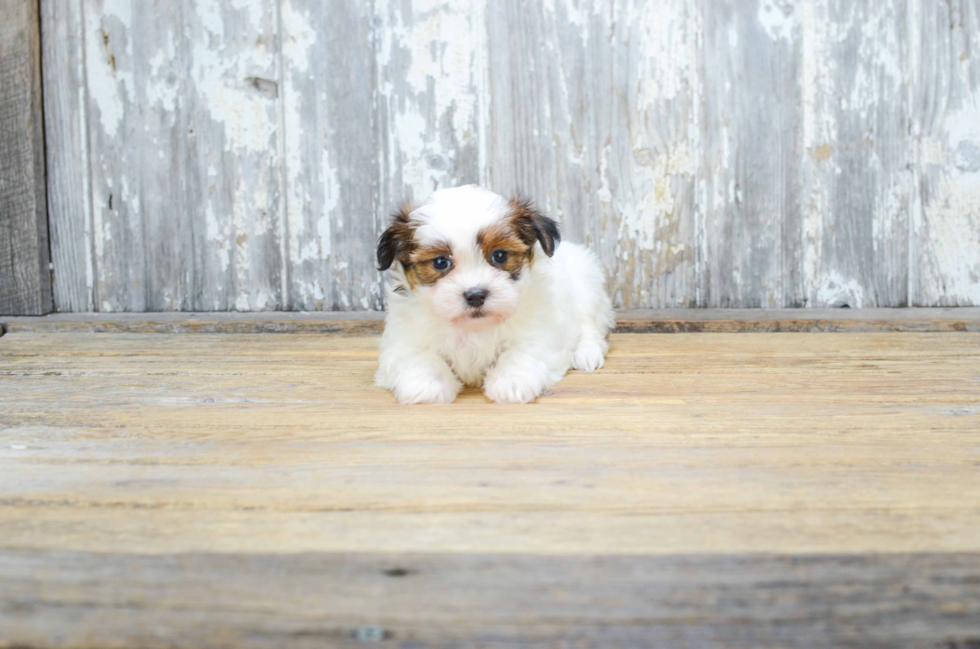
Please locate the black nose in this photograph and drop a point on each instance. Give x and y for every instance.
(476, 296)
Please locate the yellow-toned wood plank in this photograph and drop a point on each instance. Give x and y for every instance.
(704, 443)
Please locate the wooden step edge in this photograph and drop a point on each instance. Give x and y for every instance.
(955, 319)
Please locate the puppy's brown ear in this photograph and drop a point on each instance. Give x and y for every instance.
(532, 225)
(397, 241)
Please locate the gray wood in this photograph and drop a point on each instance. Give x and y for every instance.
(230, 128)
(945, 69)
(751, 197)
(855, 154)
(594, 113)
(52, 599)
(750, 153)
(119, 145)
(807, 154)
(958, 319)
(66, 139)
(183, 128)
(25, 278)
(331, 155)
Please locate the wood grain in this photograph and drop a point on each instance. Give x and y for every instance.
(499, 600)
(855, 156)
(331, 162)
(66, 139)
(188, 218)
(920, 320)
(594, 113)
(431, 82)
(946, 125)
(25, 277)
(682, 444)
(704, 490)
(230, 258)
(761, 154)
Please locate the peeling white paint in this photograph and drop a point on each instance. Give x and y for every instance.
(427, 72)
(162, 85)
(108, 50)
(817, 77)
(249, 119)
(306, 244)
(641, 220)
(218, 236)
(778, 18)
(670, 53)
(298, 37)
(630, 160)
(837, 291)
(950, 219)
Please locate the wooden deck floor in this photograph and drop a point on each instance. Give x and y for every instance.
(700, 490)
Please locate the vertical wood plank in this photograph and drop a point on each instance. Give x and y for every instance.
(331, 154)
(945, 78)
(66, 141)
(233, 168)
(750, 193)
(25, 278)
(594, 113)
(120, 38)
(855, 157)
(431, 76)
(183, 125)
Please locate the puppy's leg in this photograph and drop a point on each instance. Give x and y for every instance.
(418, 378)
(590, 353)
(599, 319)
(593, 309)
(519, 377)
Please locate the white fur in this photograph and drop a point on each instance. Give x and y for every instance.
(555, 316)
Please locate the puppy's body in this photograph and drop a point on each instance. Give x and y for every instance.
(541, 314)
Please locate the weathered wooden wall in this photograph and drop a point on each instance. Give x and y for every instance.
(25, 276)
(243, 155)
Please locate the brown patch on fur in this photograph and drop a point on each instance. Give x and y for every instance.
(503, 235)
(398, 241)
(531, 225)
(516, 234)
(419, 269)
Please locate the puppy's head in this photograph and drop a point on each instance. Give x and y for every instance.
(467, 252)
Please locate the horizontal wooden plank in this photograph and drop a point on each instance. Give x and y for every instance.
(699, 490)
(458, 600)
(628, 321)
(708, 443)
(357, 322)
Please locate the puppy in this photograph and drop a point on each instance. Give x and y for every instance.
(480, 293)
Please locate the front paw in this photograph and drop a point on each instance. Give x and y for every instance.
(588, 357)
(427, 389)
(511, 389)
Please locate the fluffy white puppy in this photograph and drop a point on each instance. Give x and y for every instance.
(480, 292)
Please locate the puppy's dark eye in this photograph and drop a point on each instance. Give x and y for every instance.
(499, 256)
(441, 263)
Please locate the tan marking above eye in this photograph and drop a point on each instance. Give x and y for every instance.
(501, 236)
(423, 254)
(422, 269)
